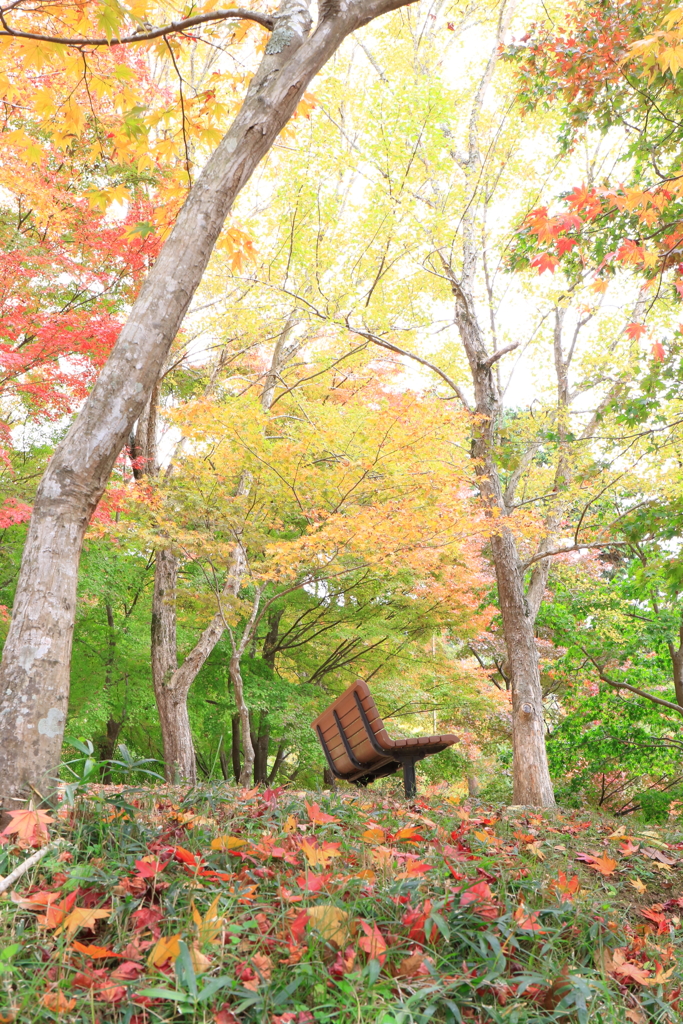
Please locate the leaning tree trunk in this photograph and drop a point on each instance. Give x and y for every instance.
(34, 675)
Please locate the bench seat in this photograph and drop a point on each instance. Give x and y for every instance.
(359, 749)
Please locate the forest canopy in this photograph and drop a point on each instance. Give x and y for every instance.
(419, 423)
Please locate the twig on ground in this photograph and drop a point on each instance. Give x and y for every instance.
(30, 862)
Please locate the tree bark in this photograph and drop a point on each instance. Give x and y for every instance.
(236, 760)
(34, 674)
(270, 641)
(261, 743)
(171, 699)
(225, 765)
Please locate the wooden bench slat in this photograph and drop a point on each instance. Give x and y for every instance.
(358, 746)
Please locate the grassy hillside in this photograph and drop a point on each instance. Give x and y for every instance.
(293, 908)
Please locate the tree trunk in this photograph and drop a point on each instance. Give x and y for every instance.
(108, 745)
(171, 698)
(280, 755)
(261, 743)
(531, 778)
(225, 765)
(236, 761)
(271, 637)
(243, 717)
(34, 674)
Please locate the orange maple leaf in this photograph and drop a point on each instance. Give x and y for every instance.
(319, 817)
(57, 1002)
(28, 823)
(545, 262)
(373, 943)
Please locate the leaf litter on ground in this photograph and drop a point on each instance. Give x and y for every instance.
(268, 906)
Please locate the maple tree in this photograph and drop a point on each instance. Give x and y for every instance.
(537, 472)
(291, 58)
(326, 504)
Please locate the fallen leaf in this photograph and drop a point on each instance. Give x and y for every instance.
(638, 885)
(25, 824)
(225, 1016)
(373, 943)
(373, 835)
(227, 843)
(94, 952)
(527, 922)
(149, 867)
(200, 963)
(635, 1016)
(604, 864)
(166, 948)
(319, 817)
(628, 848)
(263, 964)
(81, 917)
(57, 1002)
(320, 855)
(411, 966)
(290, 824)
(408, 834)
(209, 926)
(657, 855)
(331, 923)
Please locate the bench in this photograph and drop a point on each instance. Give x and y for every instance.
(359, 749)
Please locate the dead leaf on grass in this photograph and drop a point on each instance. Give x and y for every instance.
(164, 949)
(81, 917)
(331, 923)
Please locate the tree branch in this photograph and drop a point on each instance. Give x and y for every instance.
(574, 547)
(139, 37)
(636, 689)
(488, 363)
(411, 355)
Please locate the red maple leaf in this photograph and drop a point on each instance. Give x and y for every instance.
(635, 330)
(373, 942)
(546, 261)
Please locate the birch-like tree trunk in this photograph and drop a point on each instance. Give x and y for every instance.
(34, 674)
(531, 777)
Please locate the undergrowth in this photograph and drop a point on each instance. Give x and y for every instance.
(278, 907)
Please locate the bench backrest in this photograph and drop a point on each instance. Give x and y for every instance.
(345, 709)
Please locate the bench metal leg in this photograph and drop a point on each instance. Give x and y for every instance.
(409, 781)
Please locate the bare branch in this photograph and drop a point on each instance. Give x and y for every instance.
(574, 547)
(140, 37)
(383, 343)
(488, 363)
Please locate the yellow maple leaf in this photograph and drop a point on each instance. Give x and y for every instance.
(330, 922)
(638, 885)
(316, 855)
(81, 917)
(227, 843)
(208, 926)
(166, 948)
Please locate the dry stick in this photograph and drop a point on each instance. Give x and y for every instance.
(30, 862)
